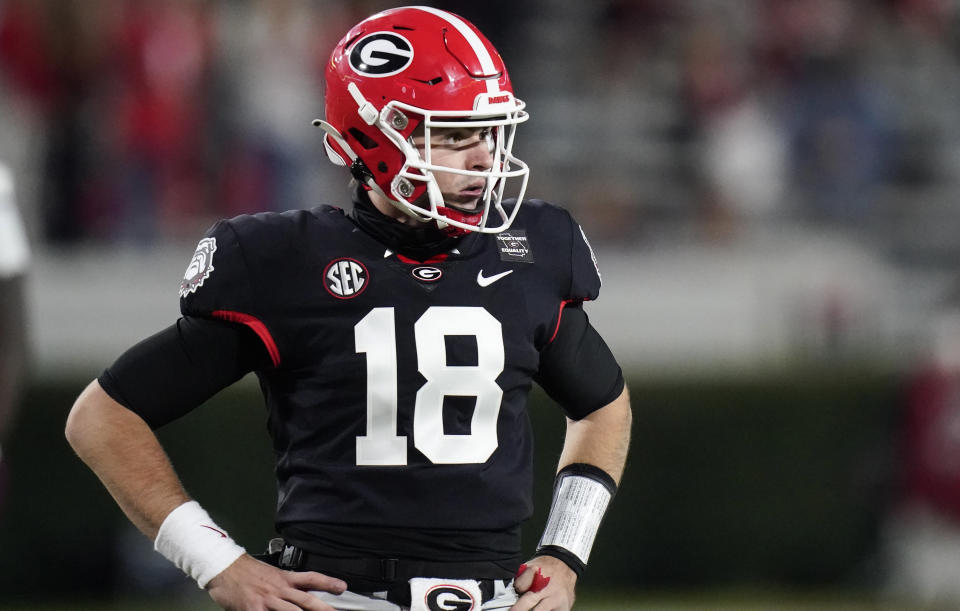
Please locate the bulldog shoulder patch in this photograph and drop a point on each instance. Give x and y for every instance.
(200, 267)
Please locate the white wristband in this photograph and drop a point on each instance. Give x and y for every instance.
(579, 503)
(195, 544)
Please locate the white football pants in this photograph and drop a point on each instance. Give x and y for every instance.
(504, 596)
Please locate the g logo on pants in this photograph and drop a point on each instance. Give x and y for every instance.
(449, 598)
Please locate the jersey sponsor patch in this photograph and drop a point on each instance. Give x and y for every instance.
(200, 267)
(345, 278)
(514, 247)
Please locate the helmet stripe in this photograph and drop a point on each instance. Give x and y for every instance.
(486, 62)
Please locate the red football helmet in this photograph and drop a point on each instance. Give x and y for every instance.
(414, 67)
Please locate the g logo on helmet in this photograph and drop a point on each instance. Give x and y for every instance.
(381, 54)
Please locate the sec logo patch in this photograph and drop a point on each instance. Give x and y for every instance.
(345, 278)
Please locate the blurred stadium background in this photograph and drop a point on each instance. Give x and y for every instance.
(771, 186)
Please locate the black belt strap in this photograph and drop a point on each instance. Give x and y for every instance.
(367, 575)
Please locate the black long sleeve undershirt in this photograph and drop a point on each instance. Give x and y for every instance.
(171, 372)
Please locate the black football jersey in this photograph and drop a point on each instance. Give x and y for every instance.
(399, 388)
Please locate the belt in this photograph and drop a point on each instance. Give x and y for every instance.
(390, 575)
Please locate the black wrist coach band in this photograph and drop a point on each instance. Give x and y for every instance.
(581, 495)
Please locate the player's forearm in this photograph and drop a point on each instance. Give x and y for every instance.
(581, 496)
(124, 453)
(601, 439)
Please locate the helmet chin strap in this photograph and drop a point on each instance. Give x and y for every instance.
(437, 202)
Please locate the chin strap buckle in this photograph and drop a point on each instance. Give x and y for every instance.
(360, 171)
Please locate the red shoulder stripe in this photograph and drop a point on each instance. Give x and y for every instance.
(563, 304)
(258, 327)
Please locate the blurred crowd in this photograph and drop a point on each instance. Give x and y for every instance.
(148, 116)
(715, 117)
(142, 120)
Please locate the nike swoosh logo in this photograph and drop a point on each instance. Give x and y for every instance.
(216, 530)
(488, 280)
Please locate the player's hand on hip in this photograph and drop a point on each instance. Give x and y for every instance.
(251, 585)
(546, 584)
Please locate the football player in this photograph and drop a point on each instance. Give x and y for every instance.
(395, 346)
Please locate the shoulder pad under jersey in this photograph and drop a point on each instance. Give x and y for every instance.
(559, 242)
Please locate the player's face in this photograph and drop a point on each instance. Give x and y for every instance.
(462, 149)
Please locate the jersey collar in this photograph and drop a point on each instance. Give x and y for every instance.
(416, 242)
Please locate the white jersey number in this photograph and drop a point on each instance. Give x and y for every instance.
(375, 335)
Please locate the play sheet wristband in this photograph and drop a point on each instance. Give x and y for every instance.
(581, 495)
(192, 541)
